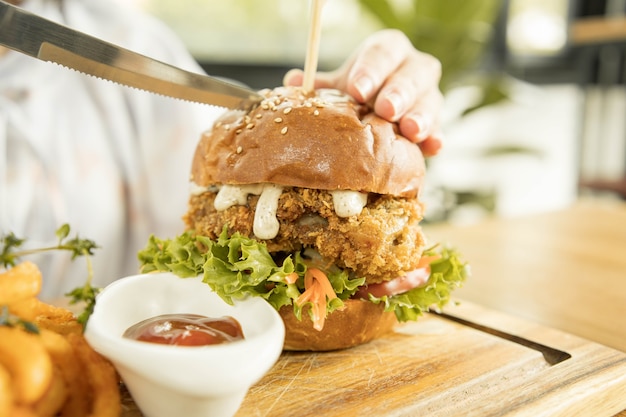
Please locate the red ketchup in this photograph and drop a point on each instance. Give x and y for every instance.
(186, 330)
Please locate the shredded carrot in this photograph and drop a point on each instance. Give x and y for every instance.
(427, 260)
(291, 278)
(317, 289)
(323, 281)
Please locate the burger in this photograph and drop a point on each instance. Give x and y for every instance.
(311, 201)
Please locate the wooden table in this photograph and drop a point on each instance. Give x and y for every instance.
(544, 278)
(565, 269)
(553, 280)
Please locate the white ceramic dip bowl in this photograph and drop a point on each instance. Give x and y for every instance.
(167, 380)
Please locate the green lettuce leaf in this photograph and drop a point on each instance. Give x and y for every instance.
(446, 274)
(236, 267)
(183, 256)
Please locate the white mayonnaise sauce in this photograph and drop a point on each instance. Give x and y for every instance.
(348, 203)
(265, 222)
(195, 189)
(231, 195)
(266, 225)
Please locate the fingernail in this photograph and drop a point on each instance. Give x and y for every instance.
(397, 103)
(365, 86)
(423, 124)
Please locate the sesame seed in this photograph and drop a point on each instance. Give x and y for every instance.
(227, 127)
(284, 130)
(278, 119)
(250, 126)
(238, 131)
(316, 112)
(287, 110)
(258, 115)
(239, 149)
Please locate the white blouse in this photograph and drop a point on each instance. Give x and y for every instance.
(111, 161)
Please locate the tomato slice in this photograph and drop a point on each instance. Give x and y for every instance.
(413, 279)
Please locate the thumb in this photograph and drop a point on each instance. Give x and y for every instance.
(295, 77)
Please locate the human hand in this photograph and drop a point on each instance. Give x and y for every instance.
(400, 82)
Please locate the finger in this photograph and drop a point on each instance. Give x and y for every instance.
(295, 77)
(421, 120)
(378, 57)
(430, 146)
(415, 81)
(364, 73)
(417, 126)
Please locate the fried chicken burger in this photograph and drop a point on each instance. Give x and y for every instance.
(311, 201)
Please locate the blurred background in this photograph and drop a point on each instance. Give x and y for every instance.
(535, 89)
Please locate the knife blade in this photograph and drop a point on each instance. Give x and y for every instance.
(551, 355)
(41, 38)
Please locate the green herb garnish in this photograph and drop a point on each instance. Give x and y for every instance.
(12, 250)
(8, 319)
(12, 246)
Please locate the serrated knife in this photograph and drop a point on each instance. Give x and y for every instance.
(33, 35)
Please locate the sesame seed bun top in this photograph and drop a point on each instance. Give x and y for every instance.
(322, 140)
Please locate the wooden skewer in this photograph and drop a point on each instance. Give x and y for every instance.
(312, 52)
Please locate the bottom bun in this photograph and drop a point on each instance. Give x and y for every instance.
(359, 322)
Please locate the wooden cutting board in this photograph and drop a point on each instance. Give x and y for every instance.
(439, 367)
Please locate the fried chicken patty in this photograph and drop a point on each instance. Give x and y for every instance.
(381, 243)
